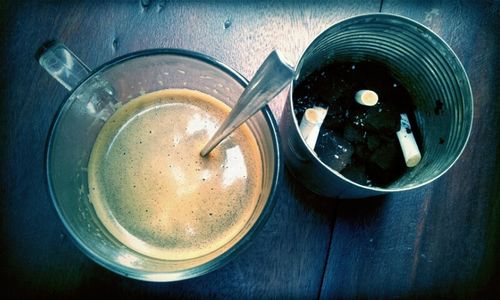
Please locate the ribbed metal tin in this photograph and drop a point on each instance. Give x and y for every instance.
(427, 67)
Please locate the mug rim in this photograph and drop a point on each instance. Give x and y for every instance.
(442, 42)
(218, 261)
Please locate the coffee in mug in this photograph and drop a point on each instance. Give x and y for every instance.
(154, 192)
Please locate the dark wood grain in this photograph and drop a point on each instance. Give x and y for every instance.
(38, 258)
(441, 240)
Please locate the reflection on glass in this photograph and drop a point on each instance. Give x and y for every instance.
(234, 165)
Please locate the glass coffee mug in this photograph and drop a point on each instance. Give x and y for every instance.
(95, 96)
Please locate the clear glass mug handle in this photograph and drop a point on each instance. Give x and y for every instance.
(62, 64)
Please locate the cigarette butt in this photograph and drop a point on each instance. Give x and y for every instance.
(312, 138)
(366, 97)
(408, 144)
(311, 123)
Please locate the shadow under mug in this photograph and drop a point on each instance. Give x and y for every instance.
(94, 96)
(424, 64)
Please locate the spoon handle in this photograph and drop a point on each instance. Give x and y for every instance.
(272, 77)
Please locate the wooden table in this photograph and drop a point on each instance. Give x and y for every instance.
(440, 240)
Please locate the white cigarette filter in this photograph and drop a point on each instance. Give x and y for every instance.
(408, 144)
(366, 97)
(311, 123)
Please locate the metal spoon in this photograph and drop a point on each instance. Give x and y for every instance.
(272, 77)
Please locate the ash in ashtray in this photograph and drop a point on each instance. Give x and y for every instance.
(357, 140)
